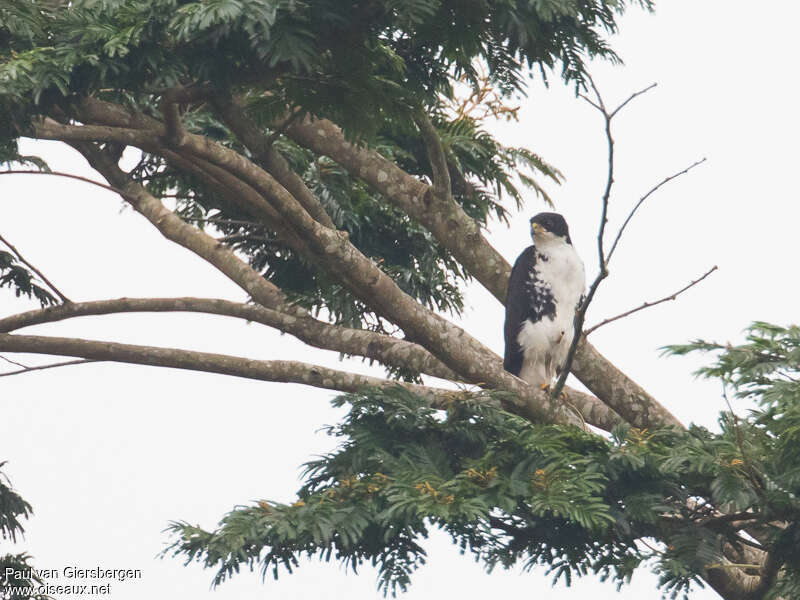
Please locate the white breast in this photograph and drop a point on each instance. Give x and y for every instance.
(545, 343)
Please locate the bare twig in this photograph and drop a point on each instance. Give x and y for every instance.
(62, 174)
(645, 197)
(13, 362)
(223, 221)
(50, 366)
(580, 314)
(602, 257)
(631, 97)
(41, 276)
(644, 305)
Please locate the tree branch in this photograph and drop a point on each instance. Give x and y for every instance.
(41, 276)
(649, 304)
(580, 314)
(609, 183)
(449, 343)
(174, 132)
(50, 366)
(230, 112)
(600, 376)
(645, 197)
(290, 319)
(284, 371)
(13, 362)
(631, 97)
(436, 156)
(453, 229)
(298, 322)
(451, 226)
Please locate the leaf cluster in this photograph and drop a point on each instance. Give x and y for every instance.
(13, 508)
(22, 281)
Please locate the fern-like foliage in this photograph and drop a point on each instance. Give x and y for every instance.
(369, 65)
(22, 281)
(15, 582)
(513, 493)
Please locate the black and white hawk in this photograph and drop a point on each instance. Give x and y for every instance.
(546, 286)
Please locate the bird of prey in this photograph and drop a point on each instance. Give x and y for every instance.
(546, 287)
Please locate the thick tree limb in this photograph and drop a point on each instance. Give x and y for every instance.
(455, 230)
(293, 320)
(449, 343)
(260, 145)
(297, 322)
(452, 227)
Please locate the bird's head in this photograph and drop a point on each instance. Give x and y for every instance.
(549, 227)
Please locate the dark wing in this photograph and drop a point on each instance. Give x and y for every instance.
(518, 308)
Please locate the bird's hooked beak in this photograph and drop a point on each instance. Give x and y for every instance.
(536, 228)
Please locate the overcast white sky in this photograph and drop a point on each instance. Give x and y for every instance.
(108, 454)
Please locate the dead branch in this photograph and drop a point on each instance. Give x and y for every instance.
(602, 257)
(644, 305)
(50, 366)
(645, 197)
(631, 97)
(13, 362)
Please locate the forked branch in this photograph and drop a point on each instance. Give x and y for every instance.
(603, 258)
(66, 363)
